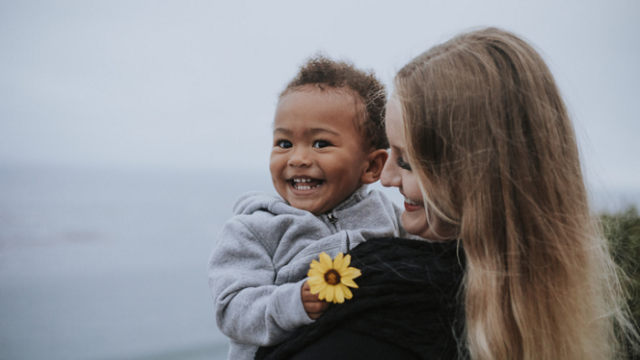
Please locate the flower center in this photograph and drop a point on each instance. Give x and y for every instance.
(332, 277)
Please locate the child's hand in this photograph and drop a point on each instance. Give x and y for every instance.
(312, 305)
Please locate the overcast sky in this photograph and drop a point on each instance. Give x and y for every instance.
(194, 84)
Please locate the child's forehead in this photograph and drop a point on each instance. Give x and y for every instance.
(335, 105)
(309, 99)
(324, 91)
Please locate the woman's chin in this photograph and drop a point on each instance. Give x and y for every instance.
(415, 222)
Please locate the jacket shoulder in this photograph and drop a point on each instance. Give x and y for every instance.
(257, 201)
(269, 220)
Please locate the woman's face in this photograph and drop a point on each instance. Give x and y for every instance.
(397, 173)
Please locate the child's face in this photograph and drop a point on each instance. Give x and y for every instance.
(318, 158)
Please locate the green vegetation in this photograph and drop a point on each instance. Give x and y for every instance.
(623, 232)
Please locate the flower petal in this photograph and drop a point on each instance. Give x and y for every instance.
(337, 262)
(350, 273)
(325, 262)
(339, 294)
(346, 262)
(318, 266)
(348, 282)
(347, 292)
(323, 293)
(315, 273)
(329, 293)
(317, 288)
(314, 280)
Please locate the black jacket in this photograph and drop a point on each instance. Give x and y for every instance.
(406, 307)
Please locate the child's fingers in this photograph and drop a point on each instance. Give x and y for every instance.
(316, 306)
(306, 294)
(313, 306)
(314, 316)
(305, 287)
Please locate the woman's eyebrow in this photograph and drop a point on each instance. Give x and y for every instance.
(397, 149)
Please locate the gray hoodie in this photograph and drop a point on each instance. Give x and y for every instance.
(261, 257)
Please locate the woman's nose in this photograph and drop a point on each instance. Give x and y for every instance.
(299, 157)
(391, 174)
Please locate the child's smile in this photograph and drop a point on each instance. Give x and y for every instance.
(304, 184)
(317, 159)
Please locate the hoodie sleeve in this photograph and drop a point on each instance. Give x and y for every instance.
(249, 307)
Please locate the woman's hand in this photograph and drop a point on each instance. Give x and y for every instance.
(312, 305)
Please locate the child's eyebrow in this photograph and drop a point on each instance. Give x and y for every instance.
(283, 130)
(320, 130)
(313, 131)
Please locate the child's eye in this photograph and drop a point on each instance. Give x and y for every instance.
(402, 164)
(321, 144)
(285, 144)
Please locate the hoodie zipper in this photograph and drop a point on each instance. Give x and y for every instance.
(332, 218)
(332, 222)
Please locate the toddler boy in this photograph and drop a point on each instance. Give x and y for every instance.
(328, 142)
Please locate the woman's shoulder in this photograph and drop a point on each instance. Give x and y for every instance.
(408, 250)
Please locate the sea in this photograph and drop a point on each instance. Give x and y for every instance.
(110, 264)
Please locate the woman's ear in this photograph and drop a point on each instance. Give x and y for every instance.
(376, 161)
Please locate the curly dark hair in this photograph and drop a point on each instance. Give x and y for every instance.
(326, 73)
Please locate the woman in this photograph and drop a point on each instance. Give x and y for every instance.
(484, 152)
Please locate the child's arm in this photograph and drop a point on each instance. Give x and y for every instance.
(249, 307)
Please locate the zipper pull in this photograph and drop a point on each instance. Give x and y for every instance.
(332, 218)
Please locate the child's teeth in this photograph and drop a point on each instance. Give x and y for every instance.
(304, 187)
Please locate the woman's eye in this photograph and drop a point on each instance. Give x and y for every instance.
(321, 144)
(402, 164)
(285, 144)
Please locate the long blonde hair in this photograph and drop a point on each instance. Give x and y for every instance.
(490, 140)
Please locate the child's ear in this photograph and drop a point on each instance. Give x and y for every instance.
(376, 161)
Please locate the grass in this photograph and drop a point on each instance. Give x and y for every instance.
(622, 229)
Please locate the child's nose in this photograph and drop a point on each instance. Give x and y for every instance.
(300, 157)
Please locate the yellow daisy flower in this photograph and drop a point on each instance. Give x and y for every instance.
(332, 279)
